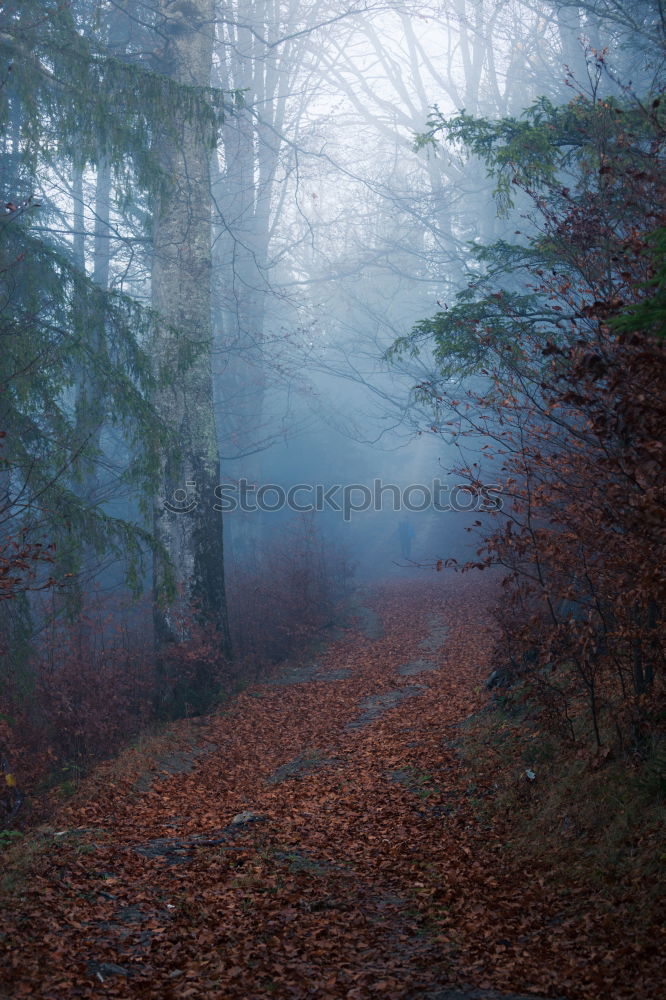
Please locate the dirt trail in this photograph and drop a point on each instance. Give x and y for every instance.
(317, 841)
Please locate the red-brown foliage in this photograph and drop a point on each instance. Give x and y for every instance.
(579, 423)
(277, 605)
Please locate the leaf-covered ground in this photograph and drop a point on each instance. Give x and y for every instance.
(320, 838)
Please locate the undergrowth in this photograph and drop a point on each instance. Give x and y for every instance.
(594, 820)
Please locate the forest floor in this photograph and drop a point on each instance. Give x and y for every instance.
(320, 837)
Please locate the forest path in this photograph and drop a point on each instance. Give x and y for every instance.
(318, 840)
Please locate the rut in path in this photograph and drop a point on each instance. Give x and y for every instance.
(316, 840)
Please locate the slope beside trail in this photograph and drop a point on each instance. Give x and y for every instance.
(317, 839)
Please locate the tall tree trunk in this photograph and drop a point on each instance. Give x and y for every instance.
(572, 36)
(90, 402)
(238, 318)
(181, 295)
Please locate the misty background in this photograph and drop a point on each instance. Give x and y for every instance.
(322, 231)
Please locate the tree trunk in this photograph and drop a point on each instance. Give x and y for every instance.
(190, 531)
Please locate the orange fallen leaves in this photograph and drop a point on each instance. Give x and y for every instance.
(369, 873)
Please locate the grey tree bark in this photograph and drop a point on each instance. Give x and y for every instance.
(181, 295)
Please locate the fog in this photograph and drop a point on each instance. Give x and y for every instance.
(332, 497)
(350, 236)
(284, 234)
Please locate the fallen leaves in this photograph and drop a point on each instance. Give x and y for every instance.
(337, 881)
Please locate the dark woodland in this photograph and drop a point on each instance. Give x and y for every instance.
(332, 499)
